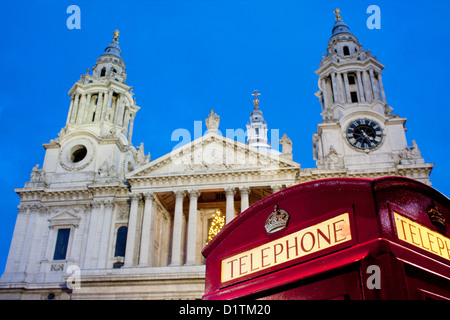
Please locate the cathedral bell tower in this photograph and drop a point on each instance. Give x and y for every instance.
(95, 145)
(359, 133)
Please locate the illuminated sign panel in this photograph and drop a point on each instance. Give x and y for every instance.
(422, 237)
(295, 245)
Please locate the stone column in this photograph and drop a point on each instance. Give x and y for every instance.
(360, 87)
(131, 233)
(106, 230)
(72, 99)
(99, 107)
(177, 224)
(81, 107)
(18, 239)
(341, 88)
(147, 221)
(375, 90)
(73, 115)
(106, 103)
(383, 95)
(130, 131)
(230, 204)
(35, 246)
(120, 110)
(87, 107)
(367, 87)
(334, 87)
(347, 88)
(326, 103)
(244, 198)
(92, 233)
(126, 120)
(192, 227)
(276, 188)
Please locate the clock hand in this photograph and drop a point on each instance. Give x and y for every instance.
(367, 136)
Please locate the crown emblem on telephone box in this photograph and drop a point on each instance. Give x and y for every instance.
(436, 217)
(277, 220)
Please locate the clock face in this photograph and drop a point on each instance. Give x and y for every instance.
(364, 134)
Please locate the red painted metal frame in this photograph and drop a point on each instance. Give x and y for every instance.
(370, 203)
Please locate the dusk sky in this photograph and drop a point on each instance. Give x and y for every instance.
(184, 58)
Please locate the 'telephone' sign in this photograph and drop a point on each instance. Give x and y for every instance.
(422, 237)
(295, 245)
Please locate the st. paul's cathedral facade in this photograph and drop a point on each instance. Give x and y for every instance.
(100, 220)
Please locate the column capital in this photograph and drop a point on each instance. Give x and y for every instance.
(96, 204)
(244, 189)
(108, 204)
(135, 196)
(276, 187)
(194, 193)
(179, 194)
(230, 191)
(150, 195)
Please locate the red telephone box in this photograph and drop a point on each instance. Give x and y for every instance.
(343, 238)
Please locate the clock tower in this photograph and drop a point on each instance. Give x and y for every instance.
(359, 134)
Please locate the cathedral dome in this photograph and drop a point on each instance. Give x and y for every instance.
(256, 115)
(110, 64)
(340, 27)
(113, 49)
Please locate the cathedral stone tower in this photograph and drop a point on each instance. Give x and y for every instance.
(257, 128)
(66, 209)
(359, 133)
(100, 221)
(95, 144)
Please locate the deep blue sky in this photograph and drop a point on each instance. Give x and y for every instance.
(185, 57)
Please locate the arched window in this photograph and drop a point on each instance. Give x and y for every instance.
(103, 73)
(121, 241)
(346, 51)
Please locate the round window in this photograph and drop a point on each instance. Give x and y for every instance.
(78, 153)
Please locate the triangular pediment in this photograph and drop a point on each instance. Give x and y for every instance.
(64, 218)
(213, 153)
